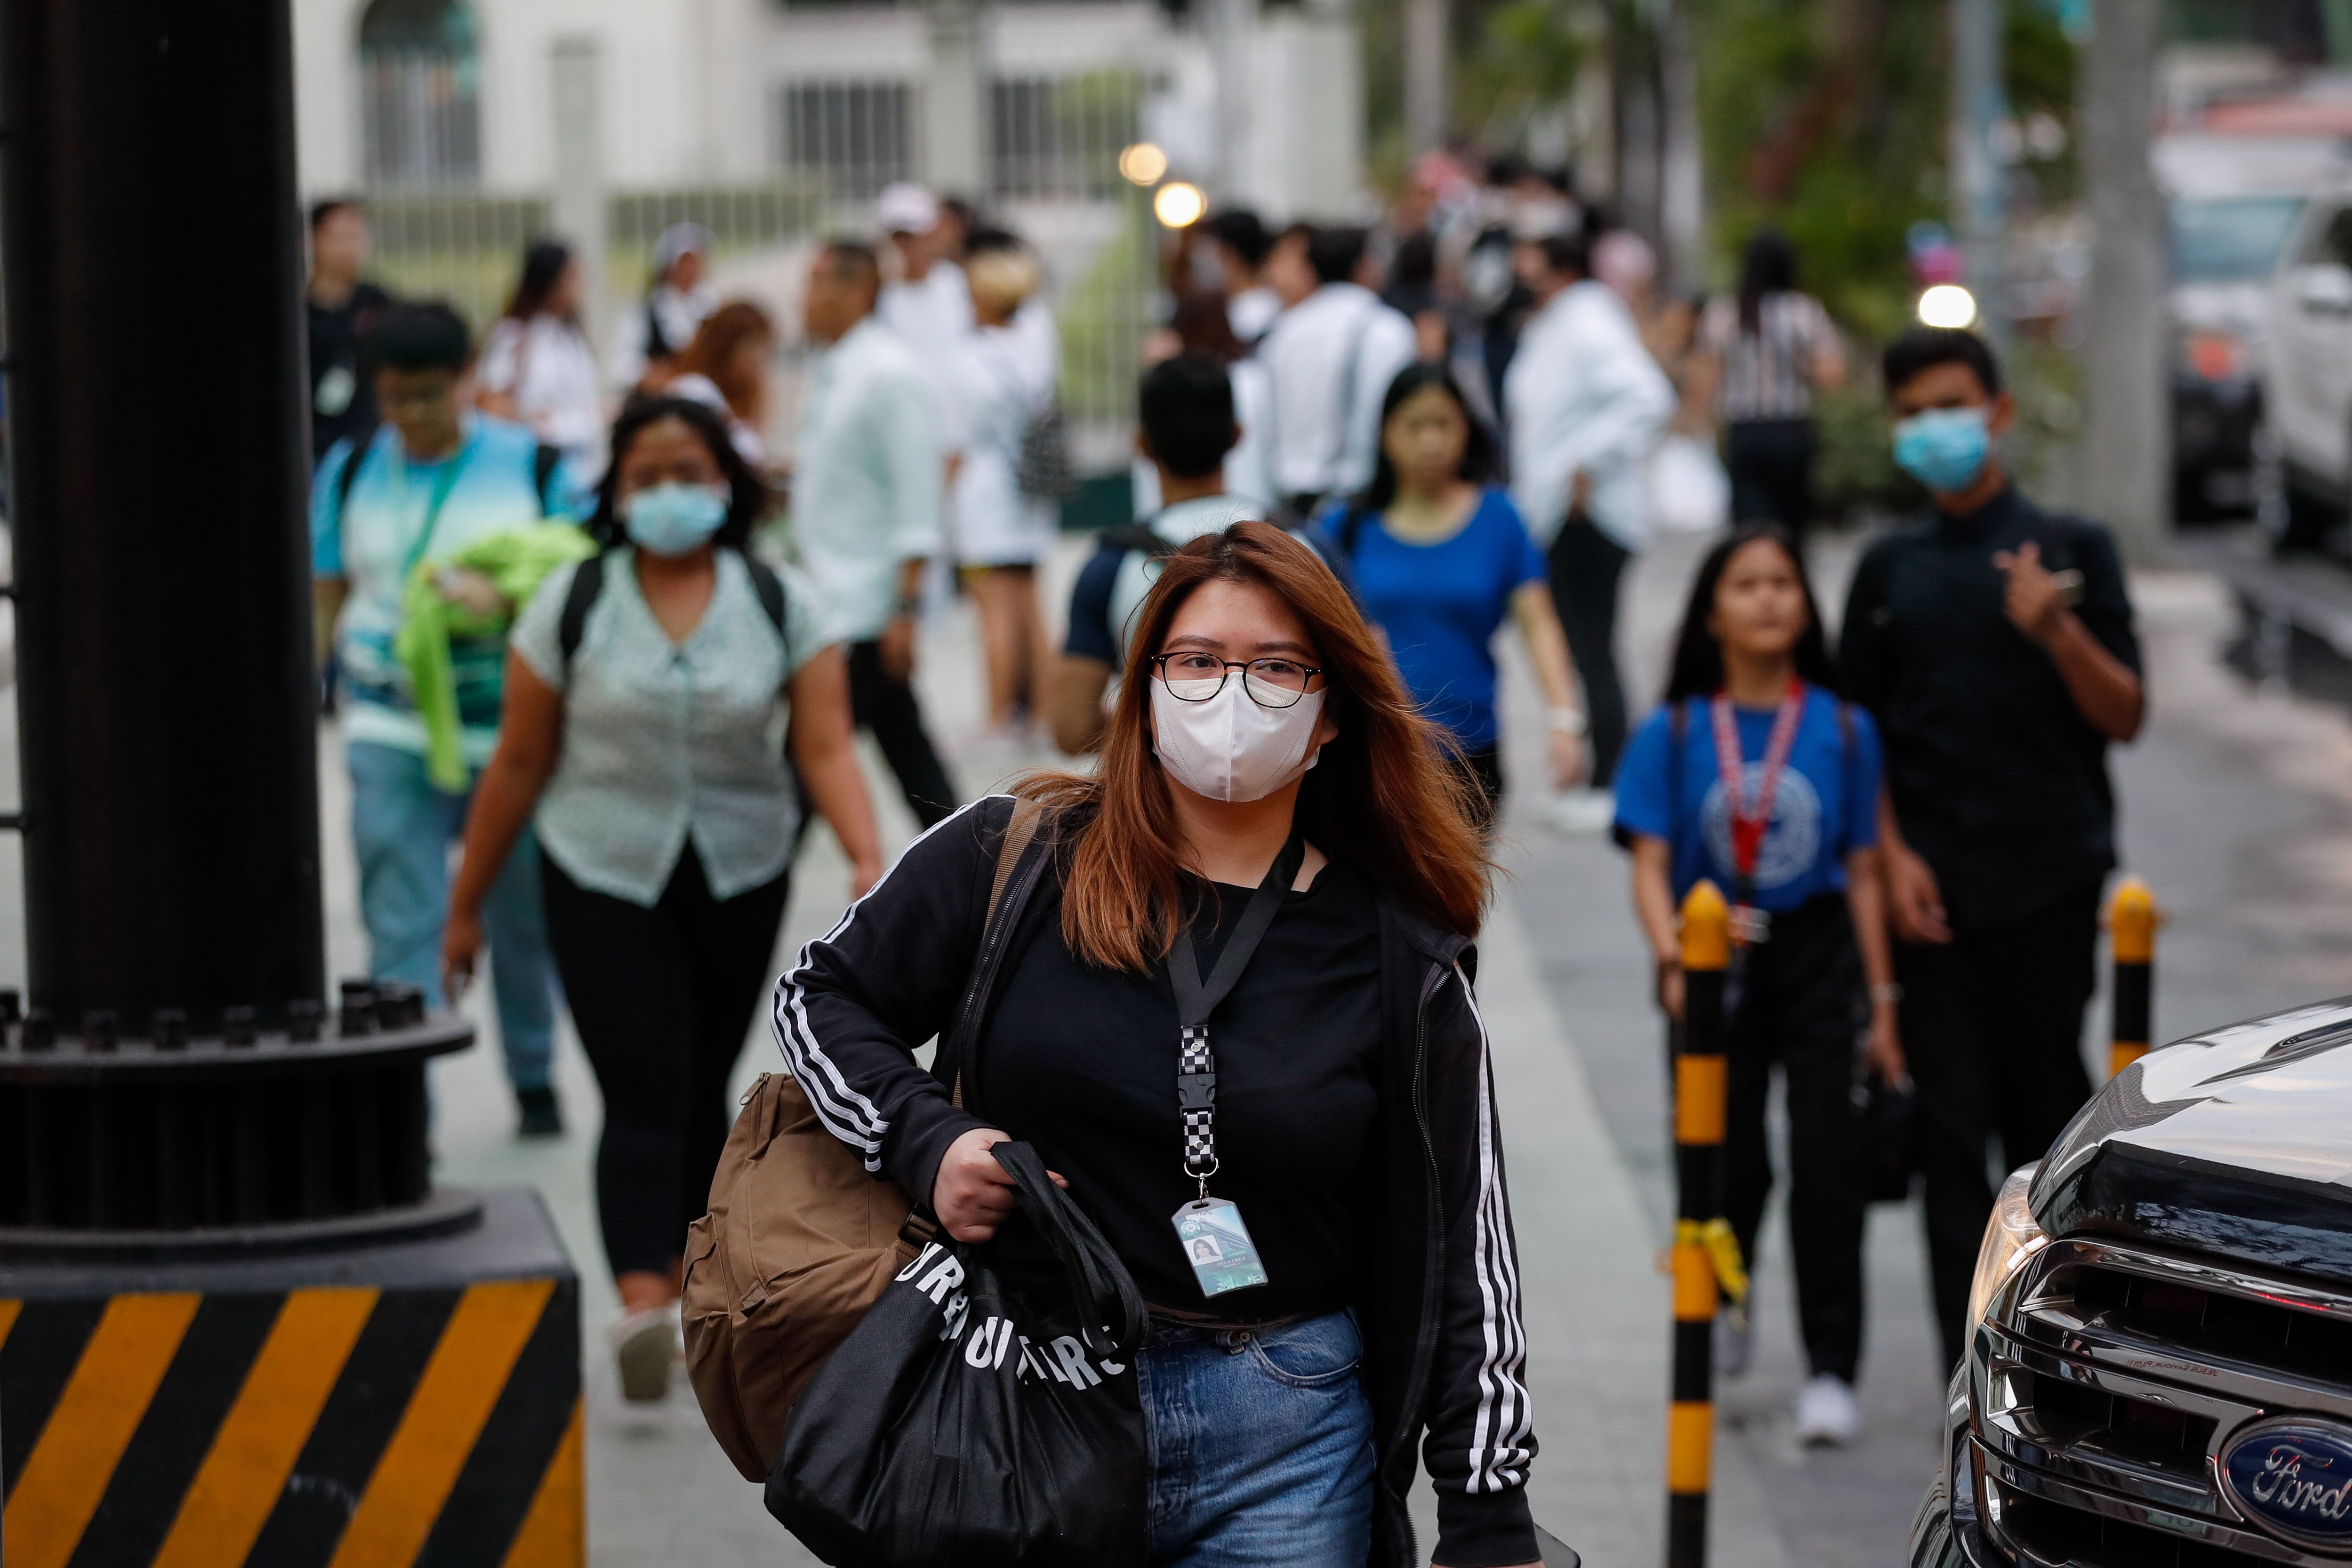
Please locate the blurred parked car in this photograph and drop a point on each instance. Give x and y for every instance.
(2160, 1371)
(2233, 202)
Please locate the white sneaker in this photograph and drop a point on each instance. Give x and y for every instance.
(1731, 1341)
(1827, 1415)
(646, 1346)
(1579, 812)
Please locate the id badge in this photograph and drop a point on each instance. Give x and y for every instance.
(1218, 1247)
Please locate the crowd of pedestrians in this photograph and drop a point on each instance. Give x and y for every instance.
(588, 624)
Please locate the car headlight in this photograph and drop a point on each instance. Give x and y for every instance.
(2011, 1240)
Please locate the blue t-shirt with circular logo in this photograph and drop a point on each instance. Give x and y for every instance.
(1670, 787)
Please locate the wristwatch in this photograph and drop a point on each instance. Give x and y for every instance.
(1567, 720)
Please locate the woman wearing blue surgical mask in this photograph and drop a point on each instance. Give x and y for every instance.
(643, 691)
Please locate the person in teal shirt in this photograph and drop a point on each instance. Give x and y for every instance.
(431, 482)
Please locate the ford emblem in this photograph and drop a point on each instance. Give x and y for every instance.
(2294, 1478)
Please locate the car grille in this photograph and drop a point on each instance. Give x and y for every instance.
(2106, 1396)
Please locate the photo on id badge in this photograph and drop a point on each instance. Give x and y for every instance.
(1218, 1247)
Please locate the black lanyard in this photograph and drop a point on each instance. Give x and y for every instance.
(1196, 1066)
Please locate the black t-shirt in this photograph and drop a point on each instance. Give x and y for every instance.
(343, 396)
(1082, 1062)
(1998, 779)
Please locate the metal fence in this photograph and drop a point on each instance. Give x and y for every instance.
(420, 120)
(849, 137)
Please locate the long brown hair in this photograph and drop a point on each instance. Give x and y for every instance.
(1381, 799)
(713, 355)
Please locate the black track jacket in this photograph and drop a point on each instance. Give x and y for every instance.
(1444, 1351)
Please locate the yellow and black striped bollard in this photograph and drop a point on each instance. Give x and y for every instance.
(2132, 919)
(1702, 1264)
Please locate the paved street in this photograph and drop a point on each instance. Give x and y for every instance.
(2237, 807)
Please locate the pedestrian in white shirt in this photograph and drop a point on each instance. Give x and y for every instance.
(1005, 375)
(1241, 244)
(1585, 404)
(1330, 358)
(929, 304)
(648, 341)
(537, 367)
(865, 508)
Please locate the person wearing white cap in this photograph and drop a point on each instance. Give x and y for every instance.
(648, 340)
(929, 305)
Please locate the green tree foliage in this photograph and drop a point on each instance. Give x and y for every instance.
(1827, 118)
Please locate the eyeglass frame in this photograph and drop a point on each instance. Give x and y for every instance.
(1159, 662)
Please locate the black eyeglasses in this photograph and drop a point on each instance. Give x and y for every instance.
(1270, 682)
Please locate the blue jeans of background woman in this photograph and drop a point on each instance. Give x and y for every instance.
(401, 828)
(1261, 1446)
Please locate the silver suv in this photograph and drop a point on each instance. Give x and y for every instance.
(2160, 1372)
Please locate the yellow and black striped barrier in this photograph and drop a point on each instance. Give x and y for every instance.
(346, 1426)
(2132, 919)
(1705, 1259)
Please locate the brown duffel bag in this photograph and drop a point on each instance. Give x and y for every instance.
(800, 1240)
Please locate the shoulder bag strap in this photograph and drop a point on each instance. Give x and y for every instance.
(1017, 871)
(587, 582)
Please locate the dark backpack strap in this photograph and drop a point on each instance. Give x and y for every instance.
(587, 582)
(1136, 536)
(770, 589)
(1350, 529)
(543, 464)
(363, 441)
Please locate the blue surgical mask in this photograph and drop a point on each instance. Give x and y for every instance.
(1943, 448)
(675, 518)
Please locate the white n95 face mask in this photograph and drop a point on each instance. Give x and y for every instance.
(1230, 747)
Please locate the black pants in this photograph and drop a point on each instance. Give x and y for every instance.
(1482, 770)
(881, 702)
(1770, 462)
(662, 997)
(1993, 1028)
(1798, 1010)
(1585, 566)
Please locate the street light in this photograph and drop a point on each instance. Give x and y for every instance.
(1948, 305)
(1143, 164)
(1178, 204)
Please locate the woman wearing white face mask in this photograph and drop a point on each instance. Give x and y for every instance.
(642, 690)
(1228, 1000)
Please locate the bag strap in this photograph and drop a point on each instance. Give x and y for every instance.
(1139, 536)
(1018, 879)
(587, 582)
(770, 589)
(543, 464)
(1113, 1305)
(362, 443)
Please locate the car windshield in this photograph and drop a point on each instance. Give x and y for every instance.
(2229, 239)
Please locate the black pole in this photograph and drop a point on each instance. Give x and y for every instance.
(159, 457)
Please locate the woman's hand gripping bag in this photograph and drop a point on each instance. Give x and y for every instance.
(985, 1413)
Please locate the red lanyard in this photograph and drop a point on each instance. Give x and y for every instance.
(1750, 819)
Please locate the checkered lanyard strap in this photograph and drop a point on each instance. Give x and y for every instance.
(1196, 1065)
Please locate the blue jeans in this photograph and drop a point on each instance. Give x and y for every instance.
(401, 828)
(1261, 1446)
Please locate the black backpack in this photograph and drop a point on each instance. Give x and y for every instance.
(588, 581)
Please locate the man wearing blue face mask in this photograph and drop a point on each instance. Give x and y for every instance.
(1993, 643)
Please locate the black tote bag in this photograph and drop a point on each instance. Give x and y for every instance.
(985, 1413)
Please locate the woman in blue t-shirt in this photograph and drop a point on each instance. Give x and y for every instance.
(1754, 775)
(1440, 560)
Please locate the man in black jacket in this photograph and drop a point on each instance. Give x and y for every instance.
(1993, 644)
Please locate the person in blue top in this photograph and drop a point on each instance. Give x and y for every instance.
(1755, 774)
(1440, 560)
(435, 481)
